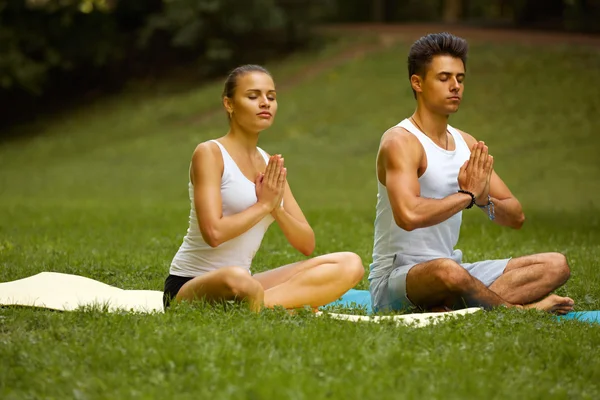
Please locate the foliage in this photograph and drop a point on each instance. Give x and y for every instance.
(568, 15)
(220, 33)
(42, 39)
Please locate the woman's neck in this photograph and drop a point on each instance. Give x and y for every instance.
(241, 139)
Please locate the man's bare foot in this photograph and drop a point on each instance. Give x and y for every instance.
(553, 304)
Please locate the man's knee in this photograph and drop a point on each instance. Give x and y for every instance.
(239, 283)
(558, 266)
(454, 277)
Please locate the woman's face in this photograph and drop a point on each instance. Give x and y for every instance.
(254, 102)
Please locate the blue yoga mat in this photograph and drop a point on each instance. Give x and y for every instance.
(362, 299)
(355, 299)
(587, 316)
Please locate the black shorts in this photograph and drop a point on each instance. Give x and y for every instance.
(172, 285)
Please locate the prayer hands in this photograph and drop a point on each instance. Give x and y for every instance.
(475, 174)
(270, 185)
(482, 200)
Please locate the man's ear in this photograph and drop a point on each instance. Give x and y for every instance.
(416, 82)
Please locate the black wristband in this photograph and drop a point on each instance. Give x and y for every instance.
(470, 194)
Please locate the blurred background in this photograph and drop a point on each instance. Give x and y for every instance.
(54, 54)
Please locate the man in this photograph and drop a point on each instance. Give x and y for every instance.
(428, 173)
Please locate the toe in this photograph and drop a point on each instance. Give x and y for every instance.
(567, 301)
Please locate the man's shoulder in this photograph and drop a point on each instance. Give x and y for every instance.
(399, 143)
(466, 136)
(398, 140)
(397, 136)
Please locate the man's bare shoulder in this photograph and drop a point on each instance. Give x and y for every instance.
(399, 150)
(467, 137)
(398, 139)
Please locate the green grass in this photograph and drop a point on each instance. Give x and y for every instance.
(102, 193)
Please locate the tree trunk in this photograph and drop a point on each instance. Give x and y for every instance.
(452, 10)
(378, 10)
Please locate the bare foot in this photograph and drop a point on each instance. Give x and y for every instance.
(553, 304)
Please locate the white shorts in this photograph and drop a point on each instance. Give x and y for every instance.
(388, 292)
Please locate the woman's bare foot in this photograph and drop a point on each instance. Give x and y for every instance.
(553, 304)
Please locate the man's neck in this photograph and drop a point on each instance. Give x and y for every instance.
(432, 124)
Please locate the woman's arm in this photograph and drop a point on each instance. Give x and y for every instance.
(206, 172)
(293, 223)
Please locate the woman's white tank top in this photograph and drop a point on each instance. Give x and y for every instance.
(195, 257)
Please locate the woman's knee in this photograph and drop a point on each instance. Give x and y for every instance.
(239, 283)
(351, 266)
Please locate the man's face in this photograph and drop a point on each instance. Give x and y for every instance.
(443, 85)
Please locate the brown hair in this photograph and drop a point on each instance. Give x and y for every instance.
(435, 44)
(231, 81)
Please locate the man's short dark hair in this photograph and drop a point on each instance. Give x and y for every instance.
(435, 44)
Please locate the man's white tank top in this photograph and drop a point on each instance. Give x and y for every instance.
(195, 257)
(439, 180)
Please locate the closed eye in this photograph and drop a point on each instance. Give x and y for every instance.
(444, 76)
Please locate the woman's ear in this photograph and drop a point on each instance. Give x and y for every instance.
(228, 104)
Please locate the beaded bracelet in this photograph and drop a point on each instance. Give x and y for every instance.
(470, 194)
(491, 212)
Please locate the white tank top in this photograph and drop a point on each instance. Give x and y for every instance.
(195, 256)
(439, 180)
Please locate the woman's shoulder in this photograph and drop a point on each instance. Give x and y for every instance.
(207, 153)
(207, 149)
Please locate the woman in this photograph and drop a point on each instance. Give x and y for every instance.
(236, 191)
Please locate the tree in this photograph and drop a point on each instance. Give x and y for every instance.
(378, 10)
(452, 10)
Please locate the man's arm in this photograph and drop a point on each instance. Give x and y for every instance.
(398, 165)
(507, 209)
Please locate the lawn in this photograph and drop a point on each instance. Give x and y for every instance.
(102, 192)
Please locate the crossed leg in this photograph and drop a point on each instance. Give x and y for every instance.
(314, 282)
(530, 278)
(442, 283)
(228, 283)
